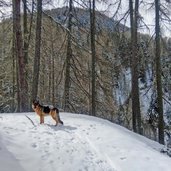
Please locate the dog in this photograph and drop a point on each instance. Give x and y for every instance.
(43, 111)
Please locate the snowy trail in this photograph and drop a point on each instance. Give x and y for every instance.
(56, 148)
(83, 143)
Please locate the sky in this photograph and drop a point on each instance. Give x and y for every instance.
(83, 143)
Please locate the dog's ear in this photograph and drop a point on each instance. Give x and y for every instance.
(35, 101)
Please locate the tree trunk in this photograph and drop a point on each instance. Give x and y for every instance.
(158, 73)
(25, 29)
(53, 65)
(22, 82)
(136, 115)
(93, 53)
(136, 71)
(13, 62)
(68, 61)
(36, 68)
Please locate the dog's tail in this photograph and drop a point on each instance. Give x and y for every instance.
(57, 113)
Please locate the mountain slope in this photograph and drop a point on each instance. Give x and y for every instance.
(81, 18)
(82, 143)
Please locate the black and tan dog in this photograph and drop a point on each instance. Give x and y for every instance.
(43, 111)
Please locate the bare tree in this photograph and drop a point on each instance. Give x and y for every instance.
(37, 50)
(93, 54)
(136, 115)
(158, 72)
(21, 69)
(68, 60)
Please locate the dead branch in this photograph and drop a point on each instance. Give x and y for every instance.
(30, 120)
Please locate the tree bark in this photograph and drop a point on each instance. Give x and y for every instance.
(36, 68)
(53, 65)
(93, 54)
(21, 69)
(25, 29)
(68, 61)
(13, 62)
(136, 115)
(158, 73)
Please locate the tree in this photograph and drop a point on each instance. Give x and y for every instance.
(21, 69)
(37, 50)
(68, 60)
(25, 31)
(53, 64)
(158, 73)
(136, 115)
(93, 55)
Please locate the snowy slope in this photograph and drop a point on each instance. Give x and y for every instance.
(84, 143)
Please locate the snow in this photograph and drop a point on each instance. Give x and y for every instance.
(83, 143)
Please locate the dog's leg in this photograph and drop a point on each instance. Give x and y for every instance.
(54, 116)
(56, 120)
(41, 119)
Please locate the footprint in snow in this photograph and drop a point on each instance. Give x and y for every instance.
(33, 132)
(49, 133)
(114, 147)
(34, 145)
(51, 161)
(47, 143)
(72, 139)
(93, 126)
(45, 156)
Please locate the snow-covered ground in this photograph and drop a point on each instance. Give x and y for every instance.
(83, 143)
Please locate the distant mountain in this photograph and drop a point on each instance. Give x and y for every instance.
(81, 18)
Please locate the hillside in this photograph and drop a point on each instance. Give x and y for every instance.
(113, 69)
(84, 143)
(81, 18)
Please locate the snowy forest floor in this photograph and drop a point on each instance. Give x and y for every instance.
(83, 143)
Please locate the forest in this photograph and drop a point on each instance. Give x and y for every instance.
(81, 60)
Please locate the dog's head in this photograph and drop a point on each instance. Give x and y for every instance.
(35, 103)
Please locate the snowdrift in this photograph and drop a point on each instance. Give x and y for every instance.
(83, 143)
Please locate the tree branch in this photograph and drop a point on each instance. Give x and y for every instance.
(30, 120)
